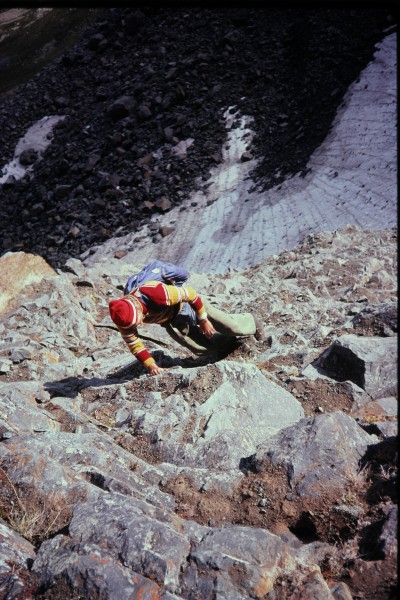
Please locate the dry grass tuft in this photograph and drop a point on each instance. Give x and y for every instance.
(34, 517)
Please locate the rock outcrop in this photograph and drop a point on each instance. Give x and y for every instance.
(262, 474)
(370, 363)
(18, 270)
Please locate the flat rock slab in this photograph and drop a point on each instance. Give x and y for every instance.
(248, 401)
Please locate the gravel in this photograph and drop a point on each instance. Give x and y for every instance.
(139, 81)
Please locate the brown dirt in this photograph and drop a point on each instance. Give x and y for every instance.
(140, 446)
(266, 500)
(68, 422)
(320, 396)
(349, 524)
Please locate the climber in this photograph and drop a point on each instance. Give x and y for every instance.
(192, 322)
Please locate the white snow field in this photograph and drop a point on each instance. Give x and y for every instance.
(352, 179)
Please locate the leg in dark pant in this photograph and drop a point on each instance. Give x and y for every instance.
(184, 330)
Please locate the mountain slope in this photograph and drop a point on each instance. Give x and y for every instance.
(277, 464)
(138, 83)
(270, 472)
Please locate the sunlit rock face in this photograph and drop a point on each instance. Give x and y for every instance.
(134, 484)
(17, 271)
(257, 148)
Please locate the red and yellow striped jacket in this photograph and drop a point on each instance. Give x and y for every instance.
(160, 303)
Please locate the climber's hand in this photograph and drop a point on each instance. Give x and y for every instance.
(207, 328)
(156, 370)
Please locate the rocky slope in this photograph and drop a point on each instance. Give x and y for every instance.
(140, 82)
(270, 473)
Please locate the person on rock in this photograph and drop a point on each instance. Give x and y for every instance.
(189, 320)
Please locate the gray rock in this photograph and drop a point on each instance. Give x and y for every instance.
(19, 410)
(237, 562)
(88, 570)
(341, 591)
(390, 405)
(143, 111)
(248, 402)
(162, 420)
(360, 397)
(15, 552)
(43, 475)
(313, 553)
(318, 453)
(388, 539)
(28, 157)
(61, 191)
(20, 354)
(75, 266)
(224, 451)
(386, 429)
(122, 107)
(147, 540)
(5, 365)
(371, 363)
(312, 586)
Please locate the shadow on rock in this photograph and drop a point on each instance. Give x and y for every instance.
(70, 387)
(380, 460)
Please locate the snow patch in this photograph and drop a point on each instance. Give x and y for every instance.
(38, 137)
(351, 179)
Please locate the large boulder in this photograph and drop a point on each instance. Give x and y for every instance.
(88, 570)
(18, 270)
(319, 453)
(370, 362)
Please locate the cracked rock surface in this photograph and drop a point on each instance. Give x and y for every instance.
(270, 469)
(256, 147)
